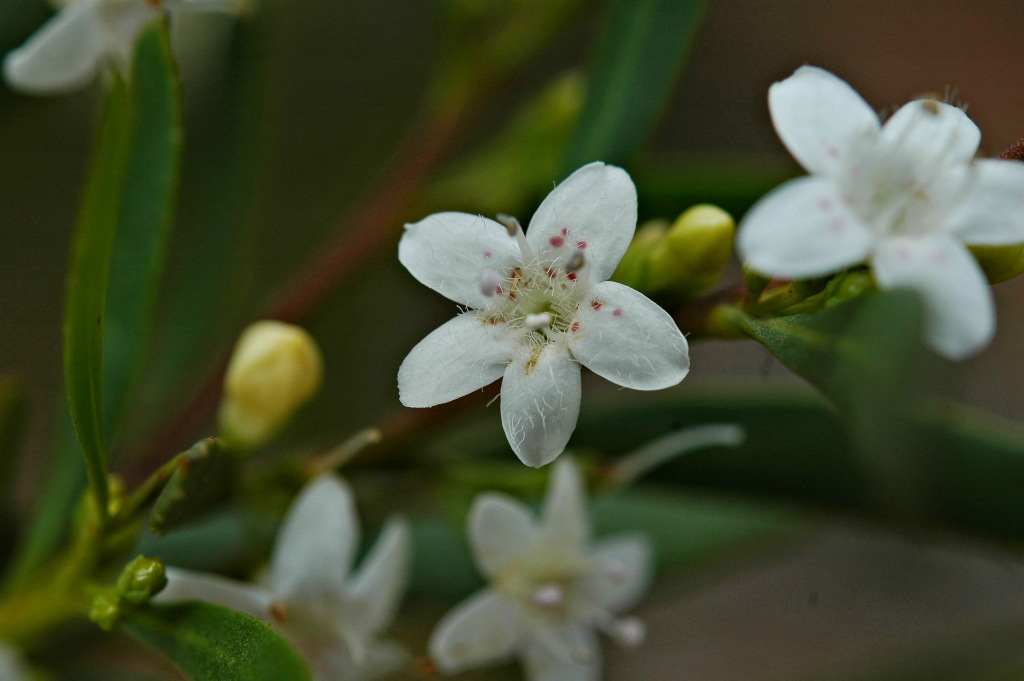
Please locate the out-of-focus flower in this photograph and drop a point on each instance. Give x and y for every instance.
(905, 197)
(550, 588)
(274, 369)
(333, 618)
(86, 35)
(12, 666)
(541, 307)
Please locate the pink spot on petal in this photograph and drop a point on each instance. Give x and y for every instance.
(837, 226)
(617, 312)
(487, 255)
(556, 241)
(575, 327)
(565, 231)
(581, 245)
(938, 259)
(571, 276)
(833, 152)
(825, 204)
(596, 304)
(903, 254)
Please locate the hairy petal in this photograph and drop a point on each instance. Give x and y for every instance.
(992, 211)
(188, 585)
(449, 251)
(933, 134)
(803, 229)
(960, 318)
(593, 210)
(540, 402)
(627, 338)
(460, 356)
(817, 116)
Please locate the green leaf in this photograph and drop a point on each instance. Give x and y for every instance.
(212, 643)
(147, 206)
(92, 252)
(639, 55)
(128, 198)
(201, 480)
(868, 357)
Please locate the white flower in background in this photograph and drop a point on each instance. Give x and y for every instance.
(540, 307)
(86, 35)
(905, 197)
(332, 618)
(550, 588)
(12, 666)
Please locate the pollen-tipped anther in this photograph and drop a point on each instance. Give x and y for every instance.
(575, 262)
(515, 230)
(549, 596)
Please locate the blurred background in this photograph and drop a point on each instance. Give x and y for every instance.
(295, 116)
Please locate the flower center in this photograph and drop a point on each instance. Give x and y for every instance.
(541, 299)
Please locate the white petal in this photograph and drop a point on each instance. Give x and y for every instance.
(540, 402)
(627, 338)
(316, 543)
(124, 23)
(378, 586)
(188, 585)
(458, 357)
(63, 55)
(817, 115)
(12, 666)
(992, 211)
(593, 210)
(449, 251)
(960, 319)
(577, 657)
(802, 229)
(482, 630)
(500, 531)
(622, 571)
(566, 523)
(933, 134)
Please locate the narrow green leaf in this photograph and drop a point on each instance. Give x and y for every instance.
(212, 643)
(145, 222)
(641, 50)
(201, 481)
(92, 251)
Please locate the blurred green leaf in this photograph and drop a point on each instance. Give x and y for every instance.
(202, 480)
(92, 252)
(212, 643)
(641, 51)
(122, 233)
(868, 357)
(145, 224)
(798, 451)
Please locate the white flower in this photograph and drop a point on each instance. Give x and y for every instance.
(333, 619)
(906, 197)
(12, 666)
(540, 307)
(550, 587)
(86, 35)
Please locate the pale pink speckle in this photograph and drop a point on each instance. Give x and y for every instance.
(556, 241)
(832, 152)
(487, 255)
(837, 226)
(903, 254)
(565, 231)
(938, 259)
(825, 204)
(617, 312)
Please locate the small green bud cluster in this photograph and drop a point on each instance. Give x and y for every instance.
(140, 580)
(680, 260)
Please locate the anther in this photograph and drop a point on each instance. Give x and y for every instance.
(628, 632)
(279, 612)
(575, 262)
(490, 282)
(549, 596)
(536, 322)
(515, 230)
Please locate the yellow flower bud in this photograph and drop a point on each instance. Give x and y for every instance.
(632, 269)
(694, 253)
(1000, 263)
(275, 368)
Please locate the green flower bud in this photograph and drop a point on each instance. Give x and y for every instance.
(632, 269)
(105, 611)
(1000, 263)
(694, 253)
(141, 579)
(275, 368)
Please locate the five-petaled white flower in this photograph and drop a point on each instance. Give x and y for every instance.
(905, 197)
(540, 307)
(332, 619)
(550, 587)
(86, 35)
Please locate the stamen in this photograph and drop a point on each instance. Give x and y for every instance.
(536, 322)
(279, 612)
(490, 282)
(575, 262)
(516, 230)
(549, 596)
(628, 632)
